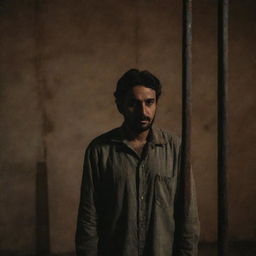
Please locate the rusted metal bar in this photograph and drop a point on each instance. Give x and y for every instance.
(186, 96)
(222, 127)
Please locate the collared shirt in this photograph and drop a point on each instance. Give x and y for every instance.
(130, 205)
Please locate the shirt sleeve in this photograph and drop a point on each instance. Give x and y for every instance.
(87, 221)
(187, 225)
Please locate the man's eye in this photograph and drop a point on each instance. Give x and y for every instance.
(132, 103)
(149, 102)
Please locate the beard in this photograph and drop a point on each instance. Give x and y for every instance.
(140, 124)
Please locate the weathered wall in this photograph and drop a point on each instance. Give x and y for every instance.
(59, 64)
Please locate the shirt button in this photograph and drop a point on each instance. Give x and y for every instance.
(142, 198)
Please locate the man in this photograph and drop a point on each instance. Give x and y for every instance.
(131, 195)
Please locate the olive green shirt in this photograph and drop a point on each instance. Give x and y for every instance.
(130, 204)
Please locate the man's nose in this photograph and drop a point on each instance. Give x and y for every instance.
(143, 108)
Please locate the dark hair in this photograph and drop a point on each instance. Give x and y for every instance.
(135, 77)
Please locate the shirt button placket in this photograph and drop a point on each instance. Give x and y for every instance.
(141, 210)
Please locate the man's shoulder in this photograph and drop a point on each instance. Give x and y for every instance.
(105, 138)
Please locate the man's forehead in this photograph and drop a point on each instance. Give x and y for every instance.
(141, 91)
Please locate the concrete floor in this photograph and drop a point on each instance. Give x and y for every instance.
(210, 249)
(238, 249)
(235, 249)
(205, 249)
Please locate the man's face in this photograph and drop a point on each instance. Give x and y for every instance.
(139, 108)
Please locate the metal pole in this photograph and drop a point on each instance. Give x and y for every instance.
(222, 127)
(186, 96)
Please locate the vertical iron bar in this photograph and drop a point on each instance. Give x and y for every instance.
(222, 127)
(186, 96)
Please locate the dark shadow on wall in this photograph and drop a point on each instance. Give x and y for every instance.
(42, 211)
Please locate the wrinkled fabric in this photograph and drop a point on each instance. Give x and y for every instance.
(131, 205)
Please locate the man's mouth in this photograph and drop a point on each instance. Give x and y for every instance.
(143, 118)
(144, 121)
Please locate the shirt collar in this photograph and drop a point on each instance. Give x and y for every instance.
(155, 136)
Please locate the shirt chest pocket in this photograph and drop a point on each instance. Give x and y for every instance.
(164, 187)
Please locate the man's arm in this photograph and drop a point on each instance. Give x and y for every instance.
(187, 225)
(87, 233)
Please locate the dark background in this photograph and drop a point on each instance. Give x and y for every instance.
(59, 64)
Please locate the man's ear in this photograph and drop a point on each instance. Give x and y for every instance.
(119, 106)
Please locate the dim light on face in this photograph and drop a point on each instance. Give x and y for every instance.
(139, 108)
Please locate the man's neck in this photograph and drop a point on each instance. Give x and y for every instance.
(132, 135)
